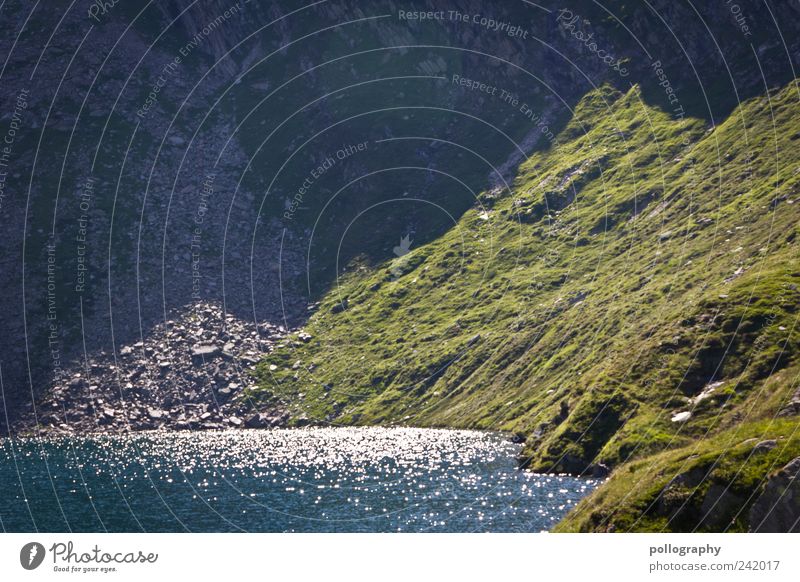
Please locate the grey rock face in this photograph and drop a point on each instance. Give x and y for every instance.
(719, 506)
(764, 446)
(793, 406)
(203, 352)
(777, 510)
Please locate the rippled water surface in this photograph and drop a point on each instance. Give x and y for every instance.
(310, 480)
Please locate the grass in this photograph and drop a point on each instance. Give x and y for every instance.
(708, 485)
(629, 269)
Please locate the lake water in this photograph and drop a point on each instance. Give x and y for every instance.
(307, 480)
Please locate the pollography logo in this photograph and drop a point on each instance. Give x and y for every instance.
(31, 555)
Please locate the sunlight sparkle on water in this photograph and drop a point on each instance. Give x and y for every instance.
(321, 479)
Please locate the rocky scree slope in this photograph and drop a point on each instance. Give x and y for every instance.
(187, 374)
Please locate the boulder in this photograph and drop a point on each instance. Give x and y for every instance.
(203, 352)
(793, 406)
(518, 438)
(719, 507)
(764, 447)
(681, 416)
(106, 416)
(777, 509)
(257, 421)
(599, 470)
(672, 498)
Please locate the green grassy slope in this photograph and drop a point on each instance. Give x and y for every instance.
(641, 268)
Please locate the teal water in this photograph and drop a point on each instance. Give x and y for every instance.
(308, 480)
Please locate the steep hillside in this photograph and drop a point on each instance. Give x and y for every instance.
(634, 291)
(165, 156)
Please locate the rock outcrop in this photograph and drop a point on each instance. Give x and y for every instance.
(777, 509)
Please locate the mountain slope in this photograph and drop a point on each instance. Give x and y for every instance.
(264, 94)
(634, 290)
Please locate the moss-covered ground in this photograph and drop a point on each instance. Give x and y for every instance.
(631, 299)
